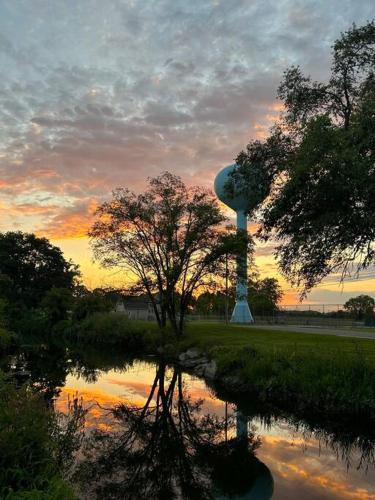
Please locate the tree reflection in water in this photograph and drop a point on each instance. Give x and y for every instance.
(168, 449)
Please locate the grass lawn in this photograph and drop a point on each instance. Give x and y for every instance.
(318, 374)
(211, 335)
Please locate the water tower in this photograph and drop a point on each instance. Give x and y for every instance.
(240, 204)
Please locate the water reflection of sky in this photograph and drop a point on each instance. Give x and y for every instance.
(302, 467)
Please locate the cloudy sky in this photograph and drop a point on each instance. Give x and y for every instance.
(95, 95)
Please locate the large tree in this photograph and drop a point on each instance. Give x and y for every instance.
(30, 267)
(170, 237)
(316, 171)
(360, 306)
(263, 296)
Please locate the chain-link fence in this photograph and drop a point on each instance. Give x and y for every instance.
(324, 315)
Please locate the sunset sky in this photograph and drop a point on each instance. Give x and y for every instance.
(99, 94)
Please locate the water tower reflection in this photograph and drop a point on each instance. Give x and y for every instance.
(169, 448)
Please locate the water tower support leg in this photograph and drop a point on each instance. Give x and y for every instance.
(241, 312)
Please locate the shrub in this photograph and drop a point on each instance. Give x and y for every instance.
(56, 304)
(111, 328)
(31, 322)
(6, 339)
(89, 304)
(32, 444)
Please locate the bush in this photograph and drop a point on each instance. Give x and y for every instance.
(33, 444)
(89, 304)
(56, 304)
(32, 322)
(6, 340)
(111, 328)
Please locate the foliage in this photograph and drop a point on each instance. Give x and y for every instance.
(31, 459)
(90, 303)
(6, 339)
(214, 303)
(317, 166)
(31, 322)
(56, 303)
(32, 266)
(111, 329)
(361, 306)
(316, 382)
(169, 237)
(112, 295)
(263, 296)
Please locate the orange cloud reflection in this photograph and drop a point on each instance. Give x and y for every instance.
(290, 465)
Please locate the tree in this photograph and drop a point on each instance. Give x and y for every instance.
(33, 266)
(169, 237)
(264, 295)
(90, 303)
(214, 303)
(56, 303)
(361, 306)
(316, 169)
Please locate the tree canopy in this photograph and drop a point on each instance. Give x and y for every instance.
(30, 267)
(361, 306)
(317, 167)
(169, 237)
(263, 296)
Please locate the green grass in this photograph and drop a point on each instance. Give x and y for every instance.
(327, 375)
(208, 335)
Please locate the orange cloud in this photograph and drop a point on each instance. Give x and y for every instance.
(30, 209)
(72, 222)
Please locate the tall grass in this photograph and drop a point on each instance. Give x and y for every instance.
(320, 382)
(323, 374)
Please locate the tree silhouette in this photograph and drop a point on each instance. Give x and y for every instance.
(168, 449)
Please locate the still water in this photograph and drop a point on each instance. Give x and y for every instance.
(172, 436)
(281, 459)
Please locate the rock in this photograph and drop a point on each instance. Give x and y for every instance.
(201, 366)
(210, 370)
(191, 363)
(199, 370)
(182, 357)
(193, 353)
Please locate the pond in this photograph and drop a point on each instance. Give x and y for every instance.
(172, 436)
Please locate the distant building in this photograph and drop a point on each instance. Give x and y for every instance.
(137, 307)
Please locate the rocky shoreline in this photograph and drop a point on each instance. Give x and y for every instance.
(193, 360)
